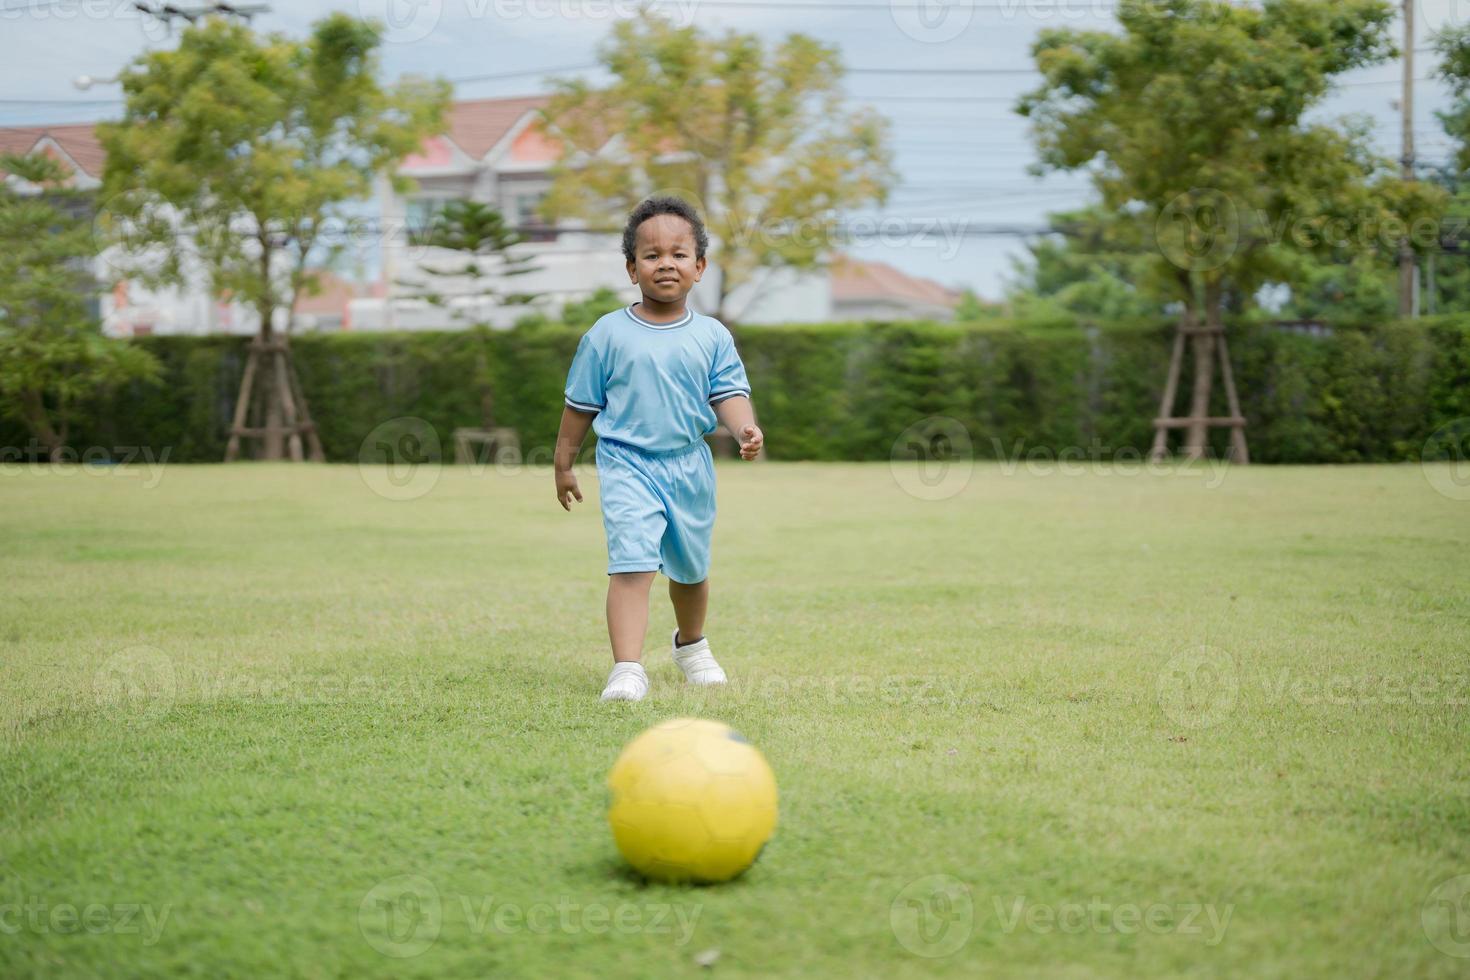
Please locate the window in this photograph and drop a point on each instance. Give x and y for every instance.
(525, 212)
(527, 218)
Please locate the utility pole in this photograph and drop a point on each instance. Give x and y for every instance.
(1408, 272)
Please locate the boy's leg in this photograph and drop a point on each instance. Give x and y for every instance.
(627, 622)
(627, 613)
(691, 603)
(690, 482)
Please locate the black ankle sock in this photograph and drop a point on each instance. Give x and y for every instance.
(678, 644)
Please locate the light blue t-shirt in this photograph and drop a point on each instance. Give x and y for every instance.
(653, 385)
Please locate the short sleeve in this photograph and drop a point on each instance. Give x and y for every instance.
(727, 374)
(586, 389)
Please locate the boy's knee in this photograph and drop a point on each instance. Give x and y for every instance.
(644, 579)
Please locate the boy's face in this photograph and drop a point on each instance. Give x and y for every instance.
(665, 267)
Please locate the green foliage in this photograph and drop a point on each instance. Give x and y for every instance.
(1363, 289)
(483, 241)
(972, 309)
(1453, 47)
(760, 141)
(1085, 275)
(235, 148)
(581, 314)
(52, 351)
(1193, 119)
(846, 391)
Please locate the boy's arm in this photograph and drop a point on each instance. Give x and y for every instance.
(736, 414)
(569, 437)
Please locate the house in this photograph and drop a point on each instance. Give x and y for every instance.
(495, 151)
(878, 291)
(125, 308)
(75, 147)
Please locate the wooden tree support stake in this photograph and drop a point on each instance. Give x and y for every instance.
(1209, 347)
(270, 393)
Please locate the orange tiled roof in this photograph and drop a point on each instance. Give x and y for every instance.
(854, 279)
(474, 125)
(79, 141)
(477, 125)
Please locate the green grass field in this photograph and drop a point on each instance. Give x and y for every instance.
(260, 720)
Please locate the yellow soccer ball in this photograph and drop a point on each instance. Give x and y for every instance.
(691, 801)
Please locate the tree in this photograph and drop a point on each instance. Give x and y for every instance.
(483, 242)
(972, 309)
(1453, 47)
(231, 159)
(1192, 121)
(1450, 289)
(759, 141)
(583, 313)
(1361, 289)
(1081, 271)
(52, 351)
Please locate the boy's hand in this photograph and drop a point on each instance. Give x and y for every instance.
(751, 441)
(566, 488)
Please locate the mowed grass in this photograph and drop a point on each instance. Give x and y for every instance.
(1207, 723)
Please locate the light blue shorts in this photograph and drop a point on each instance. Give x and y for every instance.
(658, 509)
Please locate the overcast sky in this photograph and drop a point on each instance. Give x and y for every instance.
(961, 152)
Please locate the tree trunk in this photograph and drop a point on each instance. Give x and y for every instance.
(271, 406)
(721, 296)
(1160, 448)
(33, 407)
(1196, 438)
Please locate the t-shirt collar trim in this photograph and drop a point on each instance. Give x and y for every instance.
(688, 316)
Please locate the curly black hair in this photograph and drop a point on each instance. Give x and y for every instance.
(655, 206)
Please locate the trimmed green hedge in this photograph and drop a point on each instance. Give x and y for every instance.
(846, 391)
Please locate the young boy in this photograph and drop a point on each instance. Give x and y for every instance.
(652, 379)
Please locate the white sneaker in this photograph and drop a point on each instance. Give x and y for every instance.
(627, 682)
(696, 661)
